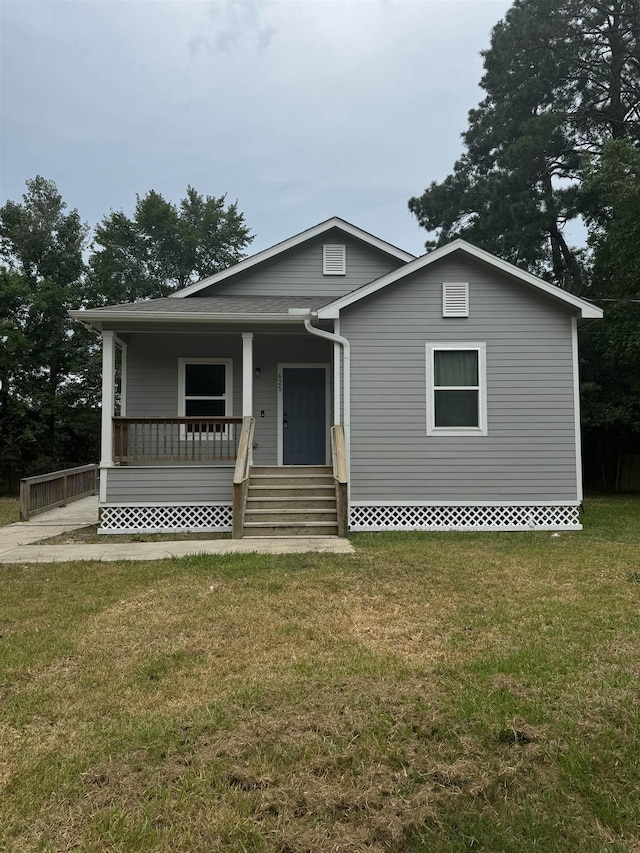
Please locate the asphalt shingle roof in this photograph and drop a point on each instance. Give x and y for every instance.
(216, 305)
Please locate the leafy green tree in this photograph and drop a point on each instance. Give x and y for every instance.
(610, 201)
(164, 246)
(610, 351)
(13, 427)
(45, 361)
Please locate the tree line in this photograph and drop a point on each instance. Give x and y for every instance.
(552, 150)
(51, 263)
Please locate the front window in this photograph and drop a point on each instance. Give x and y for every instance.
(205, 392)
(456, 389)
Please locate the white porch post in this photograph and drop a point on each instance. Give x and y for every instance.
(247, 374)
(123, 377)
(337, 353)
(108, 393)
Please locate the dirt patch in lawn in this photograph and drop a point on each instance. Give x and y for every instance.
(89, 536)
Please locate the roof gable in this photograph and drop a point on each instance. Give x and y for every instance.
(585, 309)
(286, 245)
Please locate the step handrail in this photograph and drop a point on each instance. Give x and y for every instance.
(241, 476)
(340, 478)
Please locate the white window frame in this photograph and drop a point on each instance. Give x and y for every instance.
(481, 429)
(182, 399)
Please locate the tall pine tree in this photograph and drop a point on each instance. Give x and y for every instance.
(561, 78)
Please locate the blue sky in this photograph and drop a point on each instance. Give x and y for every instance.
(298, 109)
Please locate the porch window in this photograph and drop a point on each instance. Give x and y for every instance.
(204, 391)
(456, 389)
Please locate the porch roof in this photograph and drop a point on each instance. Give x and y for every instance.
(212, 308)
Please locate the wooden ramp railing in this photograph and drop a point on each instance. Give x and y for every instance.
(241, 476)
(340, 477)
(46, 491)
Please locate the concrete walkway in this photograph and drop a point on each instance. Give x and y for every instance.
(80, 513)
(17, 541)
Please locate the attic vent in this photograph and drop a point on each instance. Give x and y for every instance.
(334, 259)
(455, 299)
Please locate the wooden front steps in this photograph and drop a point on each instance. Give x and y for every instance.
(291, 500)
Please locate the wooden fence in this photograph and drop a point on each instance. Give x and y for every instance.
(46, 491)
(10, 476)
(628, 474)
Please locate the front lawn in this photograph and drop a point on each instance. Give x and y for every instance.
(443, 692)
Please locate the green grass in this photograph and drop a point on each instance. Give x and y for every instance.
(9, 511)
(444, 692)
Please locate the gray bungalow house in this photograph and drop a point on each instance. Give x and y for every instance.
(335, 381)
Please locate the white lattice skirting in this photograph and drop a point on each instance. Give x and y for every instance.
(472, 517)
(165, 519)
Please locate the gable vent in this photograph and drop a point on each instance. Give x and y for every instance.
(334, 259)
(455, 299)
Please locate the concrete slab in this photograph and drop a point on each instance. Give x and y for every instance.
(18, 541)
(164, 550)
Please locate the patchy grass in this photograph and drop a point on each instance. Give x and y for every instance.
(9, 511)
(443, 692)
(89, 536)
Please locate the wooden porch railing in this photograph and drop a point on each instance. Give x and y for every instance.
(143, 440)
(241, 476)
(46, 491)
(340, 477)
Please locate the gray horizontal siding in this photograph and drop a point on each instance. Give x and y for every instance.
(152, 369)
(179, 484)
(529, 452)
(299, 272)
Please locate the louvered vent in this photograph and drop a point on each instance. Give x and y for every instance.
(455, 299)
(334, 259)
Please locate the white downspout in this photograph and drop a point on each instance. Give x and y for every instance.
(346, 351)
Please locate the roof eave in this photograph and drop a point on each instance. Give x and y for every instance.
(94, 320)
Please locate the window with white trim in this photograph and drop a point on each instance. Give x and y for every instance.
(204, 391)
(456, 389)
(334, 259)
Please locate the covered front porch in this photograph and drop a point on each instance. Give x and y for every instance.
(188, 412)
(179, 398)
